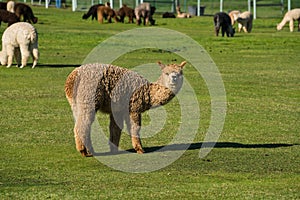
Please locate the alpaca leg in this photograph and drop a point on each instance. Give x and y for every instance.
(291, 25)
(18, 56)
(10, 56)
(100, 17)
(134, 127)
(24, 48)
(299, 24)
(82, 131)
(35, 56)
(115, 128)
(240, 26)
(245, 28)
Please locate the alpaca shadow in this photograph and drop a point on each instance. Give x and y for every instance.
(199, 145)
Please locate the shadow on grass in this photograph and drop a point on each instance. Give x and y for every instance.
(199, 145)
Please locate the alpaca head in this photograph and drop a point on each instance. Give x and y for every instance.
(279, 27)
(3, 58)
(171, 76)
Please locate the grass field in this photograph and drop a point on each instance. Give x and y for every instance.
(256, 157)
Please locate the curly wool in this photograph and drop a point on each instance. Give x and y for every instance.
(21, 37)
(120, 92)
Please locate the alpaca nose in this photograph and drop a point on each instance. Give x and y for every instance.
(174, 78)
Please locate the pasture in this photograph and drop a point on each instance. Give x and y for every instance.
(256, 157)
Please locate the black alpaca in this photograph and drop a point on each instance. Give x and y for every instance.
(8, 17)
(24, 10)
(223, 21)
(92, 12)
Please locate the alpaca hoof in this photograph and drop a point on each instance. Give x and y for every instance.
(22, 66)
(84, 153)
(140, 151)
(8, 66)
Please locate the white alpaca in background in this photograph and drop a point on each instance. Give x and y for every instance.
(234, 15)
(290, 16)
(182, 14)
(10, 7)
(21, 40)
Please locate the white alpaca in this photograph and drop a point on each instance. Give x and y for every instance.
(10, 6)
(290, 16)
(181, 14)
(120, 92)
(245, 20)
(19, 39)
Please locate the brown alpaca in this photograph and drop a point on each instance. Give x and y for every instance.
(126, 12)
(22, 9)
(120, 92)
(106, 13)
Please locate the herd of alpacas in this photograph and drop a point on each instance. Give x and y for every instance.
(117, 91)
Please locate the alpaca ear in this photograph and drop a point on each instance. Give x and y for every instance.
(162, 66)
(182, 64)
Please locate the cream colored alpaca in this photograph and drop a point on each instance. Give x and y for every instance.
(119, 92)
(10, 6)
(181, 14)
(290, 17)
(234, 15)
(19, 40)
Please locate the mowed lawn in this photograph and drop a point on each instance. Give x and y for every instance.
(257, 155)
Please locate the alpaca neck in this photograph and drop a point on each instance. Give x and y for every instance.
(160, 95)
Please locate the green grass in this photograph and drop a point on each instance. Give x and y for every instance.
(257, 154)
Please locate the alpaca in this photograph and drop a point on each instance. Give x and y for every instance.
(106, 13)
(126, 11)
(24, 10)
(181, 14)
(92, 12)
(8, 17)
(144, 11)
(290, 16)
(234, 15)
(168, 15)
(121, 93)
(20, 39)
(10, 6)
(245, 20)
(222, 20)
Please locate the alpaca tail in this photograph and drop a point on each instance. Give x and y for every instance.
(70, 84)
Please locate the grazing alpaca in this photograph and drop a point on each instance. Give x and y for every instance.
(125, 11)
(92, 12)
(245, 20)
(24, 10)
(119, 92)
(168, 15)
(10, 6)
(144, 11)
(290, 16)
(20, 39)
(223, 21)
(234, 15)
(181, 14)
(106, 13)
(8, 17)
